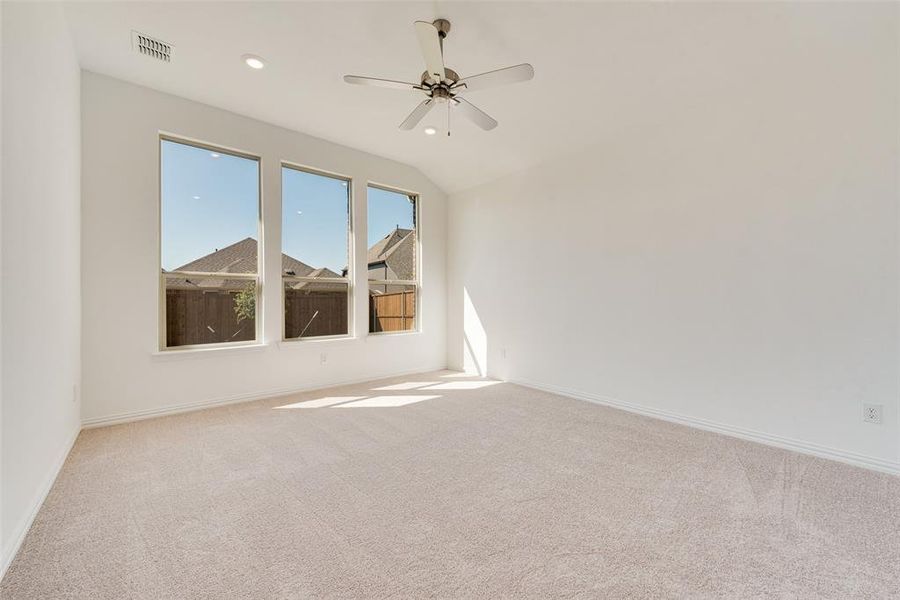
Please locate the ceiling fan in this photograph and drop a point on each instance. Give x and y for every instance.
(443, 85)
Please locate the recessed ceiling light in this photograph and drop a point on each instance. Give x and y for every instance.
(214, 155)
(430, 131)
(253, 61)
(196, 197)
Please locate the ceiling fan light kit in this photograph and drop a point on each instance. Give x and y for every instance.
(443, 85)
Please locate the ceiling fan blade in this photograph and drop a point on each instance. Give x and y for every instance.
(483, 81)
(475, 114)
(430, 42)
(417, 114)
(387, 83)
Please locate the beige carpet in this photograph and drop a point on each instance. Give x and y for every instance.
(456, 490)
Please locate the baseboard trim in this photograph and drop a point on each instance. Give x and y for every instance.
(12, 548)
(139, 415)
(852, 458)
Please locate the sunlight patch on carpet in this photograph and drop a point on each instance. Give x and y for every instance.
(407, 385)
(386, 401)
(322, 402)
(462, 385)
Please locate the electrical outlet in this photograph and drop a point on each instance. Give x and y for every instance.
(872, 413)
(323, 358)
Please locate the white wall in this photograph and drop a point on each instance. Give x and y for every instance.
(3, 560)
(123, 373)
(732, 258)
(40, 259)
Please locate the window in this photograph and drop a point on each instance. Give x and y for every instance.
(209, 218)
(393, 261)
(315, 240)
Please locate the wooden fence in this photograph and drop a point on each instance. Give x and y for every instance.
(314, 313)
(204, 317)
(208, 317)
(392, 312)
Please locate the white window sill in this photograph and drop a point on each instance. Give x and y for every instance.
(391, 334)
(200, 352)
(307, 342)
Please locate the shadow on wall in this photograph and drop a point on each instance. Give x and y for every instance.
(392, 401)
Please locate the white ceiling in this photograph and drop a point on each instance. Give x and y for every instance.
(603, 71)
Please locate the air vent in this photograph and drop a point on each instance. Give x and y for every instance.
(151, 47)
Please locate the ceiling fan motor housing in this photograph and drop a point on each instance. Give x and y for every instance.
(441, 94)
(449, 76)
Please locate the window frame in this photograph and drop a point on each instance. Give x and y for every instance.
(257, 277)
(351, 255)
(417, 282)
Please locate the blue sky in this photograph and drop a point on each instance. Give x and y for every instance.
(210, 200)
(314, 219)
(387, 211)
(207, 202)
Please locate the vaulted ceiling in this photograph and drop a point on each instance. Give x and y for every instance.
(604, 71)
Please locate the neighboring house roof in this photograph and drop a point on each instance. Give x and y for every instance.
(240, 257)
(384, 247)
(323, 272)
(395, 253)
(313, 286)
